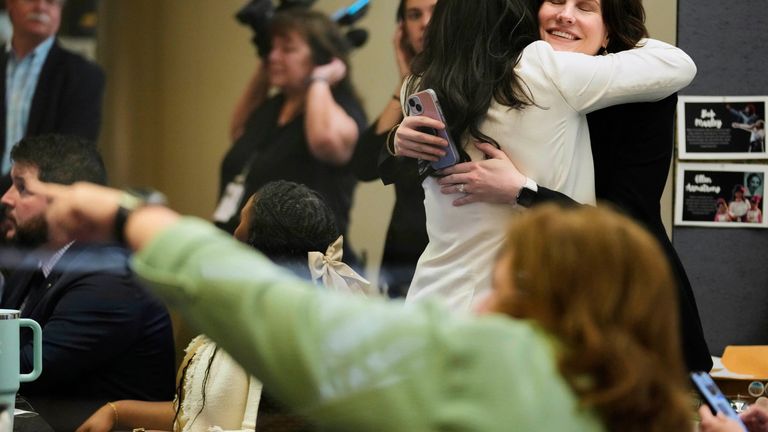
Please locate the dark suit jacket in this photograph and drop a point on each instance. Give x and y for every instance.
(632, 147)
(67, 98)
(104, 337)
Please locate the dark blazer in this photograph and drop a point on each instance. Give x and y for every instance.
(632, 147)
(104, 337)
(67, 98)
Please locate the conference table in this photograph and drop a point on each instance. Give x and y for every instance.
(27, 419)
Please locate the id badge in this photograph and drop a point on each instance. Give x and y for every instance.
(228, 205)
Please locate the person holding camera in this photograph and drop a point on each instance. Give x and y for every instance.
(307, 131)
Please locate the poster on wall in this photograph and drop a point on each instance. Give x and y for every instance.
(720, 195)
(721, 127)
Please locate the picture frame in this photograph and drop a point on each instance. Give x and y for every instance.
(721, 127)
(707, 195)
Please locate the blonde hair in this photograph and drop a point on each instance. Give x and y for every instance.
(601, 285)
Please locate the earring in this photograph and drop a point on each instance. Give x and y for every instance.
(603, 51)
(604, 48)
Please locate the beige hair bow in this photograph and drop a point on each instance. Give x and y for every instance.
(334, 274)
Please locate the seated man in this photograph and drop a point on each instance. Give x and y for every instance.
(104, 336)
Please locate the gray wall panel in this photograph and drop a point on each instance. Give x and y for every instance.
(728, 268)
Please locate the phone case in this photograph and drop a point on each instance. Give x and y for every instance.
(425, 103)
(714, 397)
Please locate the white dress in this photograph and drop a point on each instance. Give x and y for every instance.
(231, 395)
(548, 142)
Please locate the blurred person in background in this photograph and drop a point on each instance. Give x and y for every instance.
(104, 336)
(407, 232)
(46, 88)
(307, 131)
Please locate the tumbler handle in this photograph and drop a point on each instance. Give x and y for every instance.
(37, 348)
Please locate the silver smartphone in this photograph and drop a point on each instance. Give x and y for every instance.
(425, 103)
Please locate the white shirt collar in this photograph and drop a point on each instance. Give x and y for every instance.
(47, 265)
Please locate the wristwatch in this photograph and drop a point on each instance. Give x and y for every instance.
(527, 193)
(131, 199)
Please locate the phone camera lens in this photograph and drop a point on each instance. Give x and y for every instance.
(418, 107)
(411, 102)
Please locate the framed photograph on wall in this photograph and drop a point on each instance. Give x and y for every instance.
(720, 195)
(721, 127)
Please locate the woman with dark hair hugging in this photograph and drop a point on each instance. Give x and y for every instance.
(631, 158)
(508, 96)
(292, 225)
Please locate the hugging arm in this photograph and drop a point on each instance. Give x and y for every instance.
(495, 180)
(648, 73)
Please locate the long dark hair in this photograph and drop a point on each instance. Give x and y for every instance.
(625, 22)
(180, 386)
(470, 53)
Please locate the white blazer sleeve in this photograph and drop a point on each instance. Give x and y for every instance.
(648, 73)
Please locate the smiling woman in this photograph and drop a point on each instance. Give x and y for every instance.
(573, 25)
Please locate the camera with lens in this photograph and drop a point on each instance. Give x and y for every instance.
(257, 14)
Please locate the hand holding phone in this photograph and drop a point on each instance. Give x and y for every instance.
(714, 398)
(424, 103)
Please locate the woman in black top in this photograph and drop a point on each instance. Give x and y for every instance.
(307, 131)
(407, 233)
